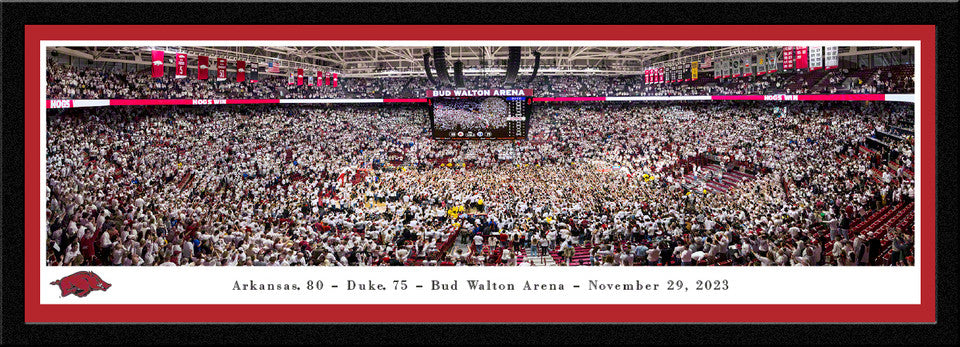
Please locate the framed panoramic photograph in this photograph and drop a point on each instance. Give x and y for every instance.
(381, 173)
(650, 167)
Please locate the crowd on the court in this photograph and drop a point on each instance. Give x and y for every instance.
(366, 185)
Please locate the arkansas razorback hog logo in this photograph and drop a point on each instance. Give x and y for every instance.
(80, 284)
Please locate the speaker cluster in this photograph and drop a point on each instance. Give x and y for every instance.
(440, 63)
(514, 61)
(513, 66)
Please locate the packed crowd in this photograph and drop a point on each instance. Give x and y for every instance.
(460, 114)
(67, 82)
(889, 80)
(365, 185)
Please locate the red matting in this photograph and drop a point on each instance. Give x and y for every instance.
(35, 312)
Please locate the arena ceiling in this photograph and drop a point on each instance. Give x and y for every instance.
(406, 61)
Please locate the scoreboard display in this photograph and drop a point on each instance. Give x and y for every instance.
(480, 114)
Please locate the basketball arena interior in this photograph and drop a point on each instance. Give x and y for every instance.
(480, 156)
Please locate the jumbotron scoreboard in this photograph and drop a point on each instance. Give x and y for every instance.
(480, 114)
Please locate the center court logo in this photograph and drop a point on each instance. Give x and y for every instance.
(81, 284)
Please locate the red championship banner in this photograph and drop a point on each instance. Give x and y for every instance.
(660, 75)
(157, 64)
(334, 81)
(241, 70)
(203, 65)
(319, 78)
(801, 57)
(181, 64)
(326, 81)
(299, 77)
(221, 69)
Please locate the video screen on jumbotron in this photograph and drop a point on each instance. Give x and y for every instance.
(479, 116)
